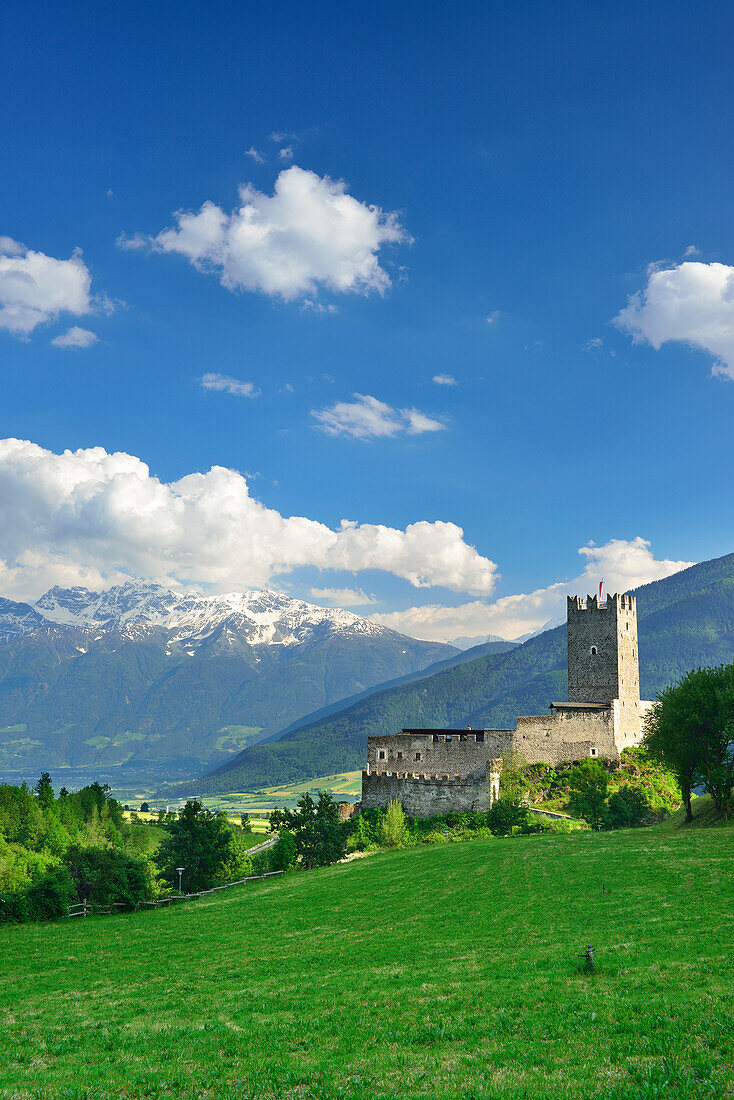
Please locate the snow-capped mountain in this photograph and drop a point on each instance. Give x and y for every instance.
(139, 607)
(154, 680)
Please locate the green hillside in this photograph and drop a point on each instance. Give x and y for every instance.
(341, 984)
(684, 621)
(131, 707)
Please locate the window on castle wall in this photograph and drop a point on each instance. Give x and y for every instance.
(593, 651)
(592, 752)
(381, 754)
(418, 756)
(400, 756)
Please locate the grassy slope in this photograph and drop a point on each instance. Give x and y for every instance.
(684, 621)
(435, 972)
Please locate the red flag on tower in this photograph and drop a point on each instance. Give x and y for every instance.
(601, 586)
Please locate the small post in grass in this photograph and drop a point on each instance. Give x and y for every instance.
(588, 956)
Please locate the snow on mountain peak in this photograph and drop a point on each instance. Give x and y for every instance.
(259, 617)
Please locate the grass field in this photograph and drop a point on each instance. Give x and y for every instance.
(445, 971)
(344, 785)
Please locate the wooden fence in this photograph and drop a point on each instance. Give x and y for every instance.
(89, 908)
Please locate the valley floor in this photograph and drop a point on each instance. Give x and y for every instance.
(447, 971)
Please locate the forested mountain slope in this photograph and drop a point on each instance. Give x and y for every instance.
(684, 621)
(150, 681)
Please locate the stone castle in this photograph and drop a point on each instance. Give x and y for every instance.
(435, 771)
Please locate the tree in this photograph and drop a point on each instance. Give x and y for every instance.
(45, 791)
(505, 814)
(283, 855)
(513, 776)
(316, 829)
(588, 783)
(690, 728)
(106, 875)
(393, 827)
(144, 808)
(200, 842)
(246, 823)
(627, 806)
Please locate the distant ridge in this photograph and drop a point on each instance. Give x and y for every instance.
(685, 620)
(150, 681)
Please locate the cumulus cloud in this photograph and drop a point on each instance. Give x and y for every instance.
(368, 418)
(75, 337)
(286, 153)
(343, 597)
(692, 303)
(444, 380)
(225, 384)
(36, 288)
(91, 514)
(309, 234)
(622, 564)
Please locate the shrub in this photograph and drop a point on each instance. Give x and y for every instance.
(106, 875)
(627, 806)
(51, 895)
(505, 814)
(283, 853)
(393, 827)
(588, 783)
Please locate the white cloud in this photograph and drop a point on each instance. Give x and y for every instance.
(343, 597)
(256, 156)
(417, 422)
(36, 288)
(225, 384)
(368, 418)
(89, 514)
(493, 317)
(75, 337)
(445, 380)
(309, 306)
(691, 302)
(691, 250)
(622, 564)
(594, 344)
(310, 233)
(286, 153)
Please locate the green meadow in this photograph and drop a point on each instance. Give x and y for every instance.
(444, 971)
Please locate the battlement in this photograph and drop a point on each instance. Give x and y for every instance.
(423, 795)
(602, 649)
(620, 601)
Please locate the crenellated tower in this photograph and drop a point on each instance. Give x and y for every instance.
(603, 663)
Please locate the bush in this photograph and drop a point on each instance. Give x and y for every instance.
(628, 806)
(106, 875)
(51, 895)
(589, 783)
(393, 827)
(505, 814)
(283, 852)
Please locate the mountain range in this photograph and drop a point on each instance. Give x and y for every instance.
(684, 621)
(149, 681)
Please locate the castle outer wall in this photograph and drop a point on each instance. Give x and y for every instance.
(452, 770)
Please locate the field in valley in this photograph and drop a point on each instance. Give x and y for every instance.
(447, 971)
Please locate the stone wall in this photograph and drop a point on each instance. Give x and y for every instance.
(424, 796)
(602, 649)
(436, 752)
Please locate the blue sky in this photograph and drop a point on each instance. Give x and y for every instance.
(509, 174)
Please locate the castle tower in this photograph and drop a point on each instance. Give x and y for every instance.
(602, 650)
